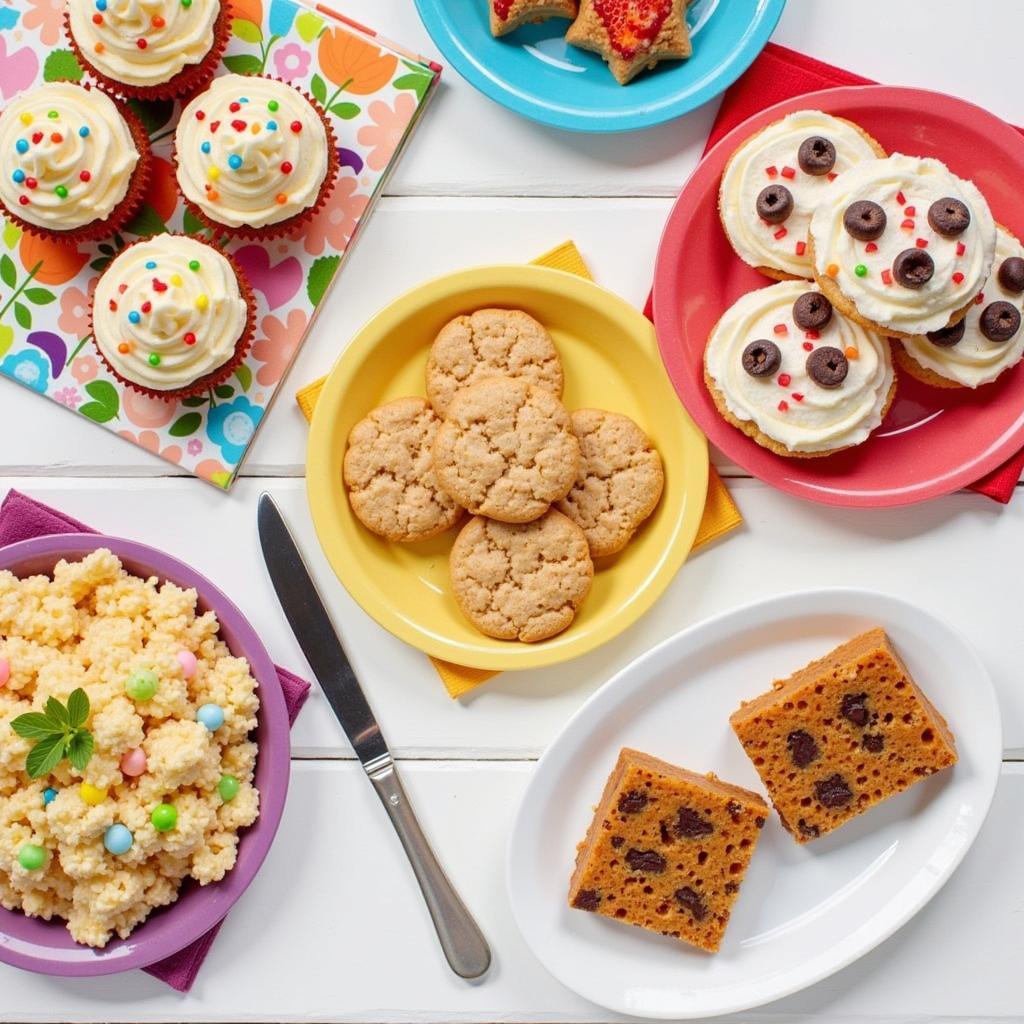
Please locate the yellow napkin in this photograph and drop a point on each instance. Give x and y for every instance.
(720, 512)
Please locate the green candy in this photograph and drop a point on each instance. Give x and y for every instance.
(860, 270)
(272, 105)
(142, 684)
(154, 359)
(228, 788)
(31, 857)
(193, 264)
(52, 115)
(61, 191)
(164, 817)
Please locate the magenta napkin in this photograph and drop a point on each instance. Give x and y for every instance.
(22, 518)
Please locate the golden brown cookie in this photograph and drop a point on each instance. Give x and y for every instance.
(508, 15)
(389, 473)
(905, 361)
(506, 450)
(491, 343)
(619, 483)
(521, 581)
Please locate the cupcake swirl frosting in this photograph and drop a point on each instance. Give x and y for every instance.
(974, 359)
(168, 311)
(143, 42)
(788, 405)
(251, 151)
(67, 156)
(905, 187)
(771, 158)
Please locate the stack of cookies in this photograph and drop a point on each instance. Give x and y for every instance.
(548, 491)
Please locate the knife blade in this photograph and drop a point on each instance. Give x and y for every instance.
(463, 943)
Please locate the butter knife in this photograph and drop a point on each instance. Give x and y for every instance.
(461, 939)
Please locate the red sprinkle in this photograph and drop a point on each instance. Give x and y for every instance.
(887, 276)
(781, 329)
(808, 347)
(801, 248)
(286, 168)
(23, 200)
(97, 19)
(84, 176)
(238, 125)
(832, 175)
(37, 137)
(797, 397)
(908, 223)
(200, 115)
(31, 183)
(871, 247)
(979, 298)
(811, 335)
(783, 406)
(141, 44)
(788, 172)
(159, 286)
(158, 22)
(296, 126)
(785, 380)
(781, 233)
(910, 211)
(113, 306)
(190, 338)
(56, 137)
(122, 288)
(772, 172)
(958, 278)
(922, 243)
(960, 248)
(901, 198)
(235, 108)
(147, 306)
(214, 125)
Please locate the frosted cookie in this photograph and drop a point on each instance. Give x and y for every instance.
(491, 343)
(632, 35)
(773, 182)
(521, 581)
(508, 15)
(794, 374)
(902, 245)
(619, 483)
(390, 476)
(987, 341)
(506, 450)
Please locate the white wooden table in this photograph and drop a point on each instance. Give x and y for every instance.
(334, 928)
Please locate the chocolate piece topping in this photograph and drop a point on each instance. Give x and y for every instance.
(873, 743)
(649, 861)
(947, 337)
(587, 899)
(632, 802)
(774, 203)
(833, 791)
(802, 748)
(761, 358)
(1011, 274)
(811, 831)
(913, 268)
(949, 217)
(816, 155)
(999, 321)
(812, 311)
(864, 220)
(690, 825)
(691, 900)
(827, 367)
(855, 707)
(617, 841)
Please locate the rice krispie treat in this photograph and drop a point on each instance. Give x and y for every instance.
(841, 735)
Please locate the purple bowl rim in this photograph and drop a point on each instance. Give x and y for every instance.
(273, 713)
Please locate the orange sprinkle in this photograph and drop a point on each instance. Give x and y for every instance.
(124, 348)
(852, 353)
(100, 47)
(832, 269)
(281, 198)
(213, 195)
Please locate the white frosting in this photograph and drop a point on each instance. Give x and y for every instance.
(42, 153)
(974, 360)
(747, 174)
(821, 419)
(279, 170)
(921, 181)
(204, 303)
(172, 35)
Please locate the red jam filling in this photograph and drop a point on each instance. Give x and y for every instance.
(502, 8)
(632, 25)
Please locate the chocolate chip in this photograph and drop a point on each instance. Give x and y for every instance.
(873, 743)
(913, 268)
(812, 311)
(731, 887)
(691, 900)
(1011, 274)
(734, 810)
(761, 358)
(999, 321)
(827, 367)
(774, 203)
(632, 802)
(666, 836)
(649, 861)
(617, 841)
(949, 217)
(810, 831)
(816, 155)
(802, 748)
(759, 821)
(587, 899)
(855, 707)
(864, 220)
(947, 337)
(690, 825)
(833, 791)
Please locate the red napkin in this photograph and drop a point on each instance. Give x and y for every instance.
(22, 518)
(780, 74)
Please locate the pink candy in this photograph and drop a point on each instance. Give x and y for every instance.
(133, 763)
(5, 671)
(187, 661)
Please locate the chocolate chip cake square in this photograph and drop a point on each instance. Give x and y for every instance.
(667, 850)
(841, 735)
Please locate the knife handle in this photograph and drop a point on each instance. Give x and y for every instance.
(463, 943)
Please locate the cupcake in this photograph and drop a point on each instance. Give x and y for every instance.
(172, 316)
(902, 245)
(254, 156)
(161, 49)
(989, 340)
(76, 167)
(795, 375)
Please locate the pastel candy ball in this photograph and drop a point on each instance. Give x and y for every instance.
(211, 715)
(228, 788)
(92, 795)
(49, 795)
(164, 817)
(5, 671)
(187, 661)
(118, 839)
(133, 763)
(32, 857)
(142, 684)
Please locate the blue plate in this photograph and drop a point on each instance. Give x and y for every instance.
(537, 74)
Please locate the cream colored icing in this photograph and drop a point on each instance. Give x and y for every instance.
(747, 174)
(143, 42)
(87, 138)
(920, 181)
(974, 360)
(821, 419)
(279, 170)
(203, 302)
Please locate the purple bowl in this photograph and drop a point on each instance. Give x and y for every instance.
(46, 946)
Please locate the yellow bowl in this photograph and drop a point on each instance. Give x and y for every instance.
(611, 361)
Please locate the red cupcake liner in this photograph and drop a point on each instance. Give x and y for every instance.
(191, 79)
(216, 376)
(124, 211)
(290, 224)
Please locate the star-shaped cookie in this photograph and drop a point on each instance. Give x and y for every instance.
(508, 15)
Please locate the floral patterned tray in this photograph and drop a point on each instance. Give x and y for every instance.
(374, 91)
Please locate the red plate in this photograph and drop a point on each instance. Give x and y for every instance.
(934, 440)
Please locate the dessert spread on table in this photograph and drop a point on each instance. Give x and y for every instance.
(126, 765)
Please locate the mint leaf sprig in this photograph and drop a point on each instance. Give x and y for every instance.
(59, 732)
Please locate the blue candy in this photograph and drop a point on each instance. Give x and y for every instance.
(18, 176)
(150, 265)
(211, 715)
(118, 839)
(205, 147)
(49, 795)
(234, 161)
(271, 126)
(134, 316)
(21, 145)
(101, 5)
(84, 130)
